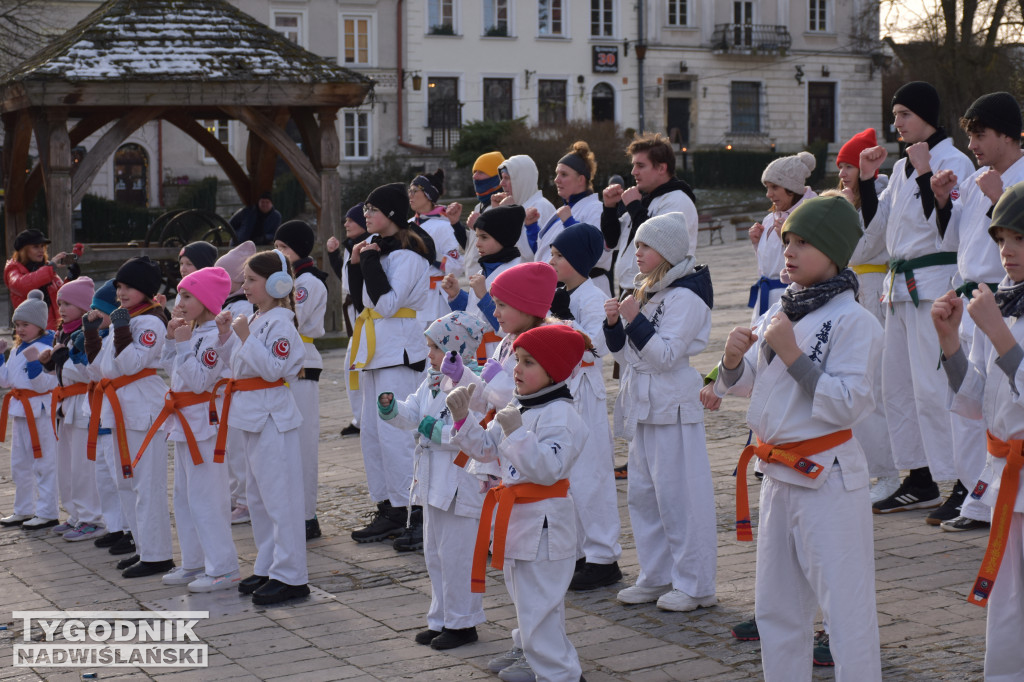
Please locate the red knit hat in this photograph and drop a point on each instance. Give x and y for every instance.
(528, 287)
(557, 347)
(850, 152)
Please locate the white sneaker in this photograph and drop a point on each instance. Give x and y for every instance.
(884, 487)
(677, 600)
(520, 671)
(496, 665)
(181, 576)
(642, 595)
(240, 514)
(212, 583)
(38, 522)
(15, 519)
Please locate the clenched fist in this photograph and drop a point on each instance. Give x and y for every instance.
(458, 401)
(509, 419)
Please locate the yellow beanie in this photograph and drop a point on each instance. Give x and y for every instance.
(488, 163)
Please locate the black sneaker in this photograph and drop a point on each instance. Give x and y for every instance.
(822, 653)
(426, 636)
(312, 529)
(450, 639)
(411, 538)
(252, 583)
(592, 576)
(109, 540)
(128, 561)
(746, 631)
(126, 545)
(350, 430)
(907, 497)
(385, 523)
(141, 569)
(962, 523)
(950, 509)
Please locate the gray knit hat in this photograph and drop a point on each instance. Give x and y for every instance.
(666, 234)
(33, 310)
(790, 172)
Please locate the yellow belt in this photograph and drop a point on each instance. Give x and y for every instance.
(867, 269)
(368, 315)
(306, 339)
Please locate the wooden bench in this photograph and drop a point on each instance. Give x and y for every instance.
(711, 225)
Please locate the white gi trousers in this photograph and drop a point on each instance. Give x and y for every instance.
(872, 432)
(816, 547)
(152, 533)
(387, 450)
(448, 542)
(274, 491)
(970, 450)
(1004, 656)
(355, 400)
(202, 510)
(237, 465)
(672, 508)
(118, 498)
(915, 387)
(592, 481)
(76, 476)
(35, 480)
(307, 399)
(538, 590)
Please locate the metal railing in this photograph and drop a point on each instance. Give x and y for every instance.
(751, 39)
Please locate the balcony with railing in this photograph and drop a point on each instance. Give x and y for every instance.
(751, 39)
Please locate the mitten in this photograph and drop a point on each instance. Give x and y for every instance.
(458, 402)
(492, 368)
(452, 367)
(509, 419)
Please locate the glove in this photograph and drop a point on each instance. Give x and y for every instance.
(509, 419)
(458, 401)
(91, 325)
(386, 412)
(492, 368)
(427, 427)
(560, 304)
(452, 367)
(120, 318)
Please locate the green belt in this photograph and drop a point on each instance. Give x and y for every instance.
(907, 268)
(968, 288)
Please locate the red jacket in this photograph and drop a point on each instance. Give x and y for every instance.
(20, 281)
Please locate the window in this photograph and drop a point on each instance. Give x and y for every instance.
(743, 20)
(355, 40)
(496, 17)
(602, 18)
(291, 24)
(550, 102)
(444, 112)
(550, 18)
(441, 17)
(817, 15)
(602, 103)
(678, 12)
(497, 99)
(356, 134)
(220, 129)
(745, 105)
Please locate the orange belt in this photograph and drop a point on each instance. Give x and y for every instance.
(504, 497)
(23, 394)
(232, 385)
(60, 393)
(108, 388)
(1002, 513)
(481, 350)
(435, 280)
(173, 402)
(462, 458)
(793, 455)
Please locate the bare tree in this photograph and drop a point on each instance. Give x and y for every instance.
(25, 27)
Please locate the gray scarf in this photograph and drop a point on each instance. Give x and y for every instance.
(1010, 298)
(797, 304)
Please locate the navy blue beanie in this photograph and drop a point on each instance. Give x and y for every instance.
(355, 214)
(582, 245)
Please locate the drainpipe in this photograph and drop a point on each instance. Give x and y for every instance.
(400, 90)
(641, 52)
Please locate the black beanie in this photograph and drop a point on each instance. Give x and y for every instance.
(202, 254)
(504, 223)
(142, 274)
(298, 236)
(998, 111)
(582, 245)
(393, 201)
(922, 99)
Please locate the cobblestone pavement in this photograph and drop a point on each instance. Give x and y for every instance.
(359, 623)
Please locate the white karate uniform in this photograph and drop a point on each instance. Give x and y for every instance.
(76, 473)
(141, 401)
(815, 543)
(310, 309)
(35, 479)
(593, 475)
(116, 494)
(770, 259)
(523, 174)
(202, 505)
(912, 383)
(387, 450)
(268, 421)
(451, 501)
(671, 496)
(989, 392)
(448, 261)
(584, 210)
(355, 394)
(540, 548)
(670, 202)
(473, 308)
(235, 455)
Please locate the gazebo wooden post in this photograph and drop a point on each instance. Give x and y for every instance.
(329, 214)
(58, 184)
(17, 137)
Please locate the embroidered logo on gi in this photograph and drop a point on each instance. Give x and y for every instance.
(822, 337)
(513, 473)
(955, 194)
(982, 588)
(453, 254)
(979, 490)
(657, 314)
(210, 357)
(282, 348)
(300, 294)
(148, 338)
(806, 466)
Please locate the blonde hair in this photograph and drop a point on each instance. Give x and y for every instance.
(839, 192)
(650, 279)
(265, 264)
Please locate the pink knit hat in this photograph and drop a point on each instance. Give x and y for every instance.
(210, 285)
(234, 263)
(529, 287)
(78, 292)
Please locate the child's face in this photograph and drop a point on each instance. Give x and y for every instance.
(186, 266)
(512, 321)
(778, 195)
(435, 354)
(68, 312)
(129, 297)
(288, 252)
(377, 222)
(418, 200)
(486, 245)
(190, 306)
(805, 264)
(1011, 251)
(529, 376)
(647, 259)
(27, 331)
(566, 273)
(255, 289)
(849, 174)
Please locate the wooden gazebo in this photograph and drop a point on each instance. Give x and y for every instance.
(134, 61)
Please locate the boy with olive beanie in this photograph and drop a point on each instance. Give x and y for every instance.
(807, 367)
(923, 259)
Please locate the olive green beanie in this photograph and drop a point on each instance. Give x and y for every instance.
(1009, 211)
(829, 224)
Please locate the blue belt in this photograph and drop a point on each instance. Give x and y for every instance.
(759, 293)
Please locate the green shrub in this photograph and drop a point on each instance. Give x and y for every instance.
(359, 182)
(104, 220)
(288, 196)
(201, 194)
(481, 137)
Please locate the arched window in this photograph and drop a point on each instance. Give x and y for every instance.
(131, 175)
(602, 103)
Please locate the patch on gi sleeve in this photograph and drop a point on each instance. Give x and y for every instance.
(281, 348)
(148, 338)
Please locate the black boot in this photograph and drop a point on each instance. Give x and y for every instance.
(411, 538)
(312, 529)
(592, 576)
(126, 545)
(109, 540)
(450, 639)
(385, 523)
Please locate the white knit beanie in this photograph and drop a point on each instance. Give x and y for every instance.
(666, 234)
(33, 310)
(790, 172)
